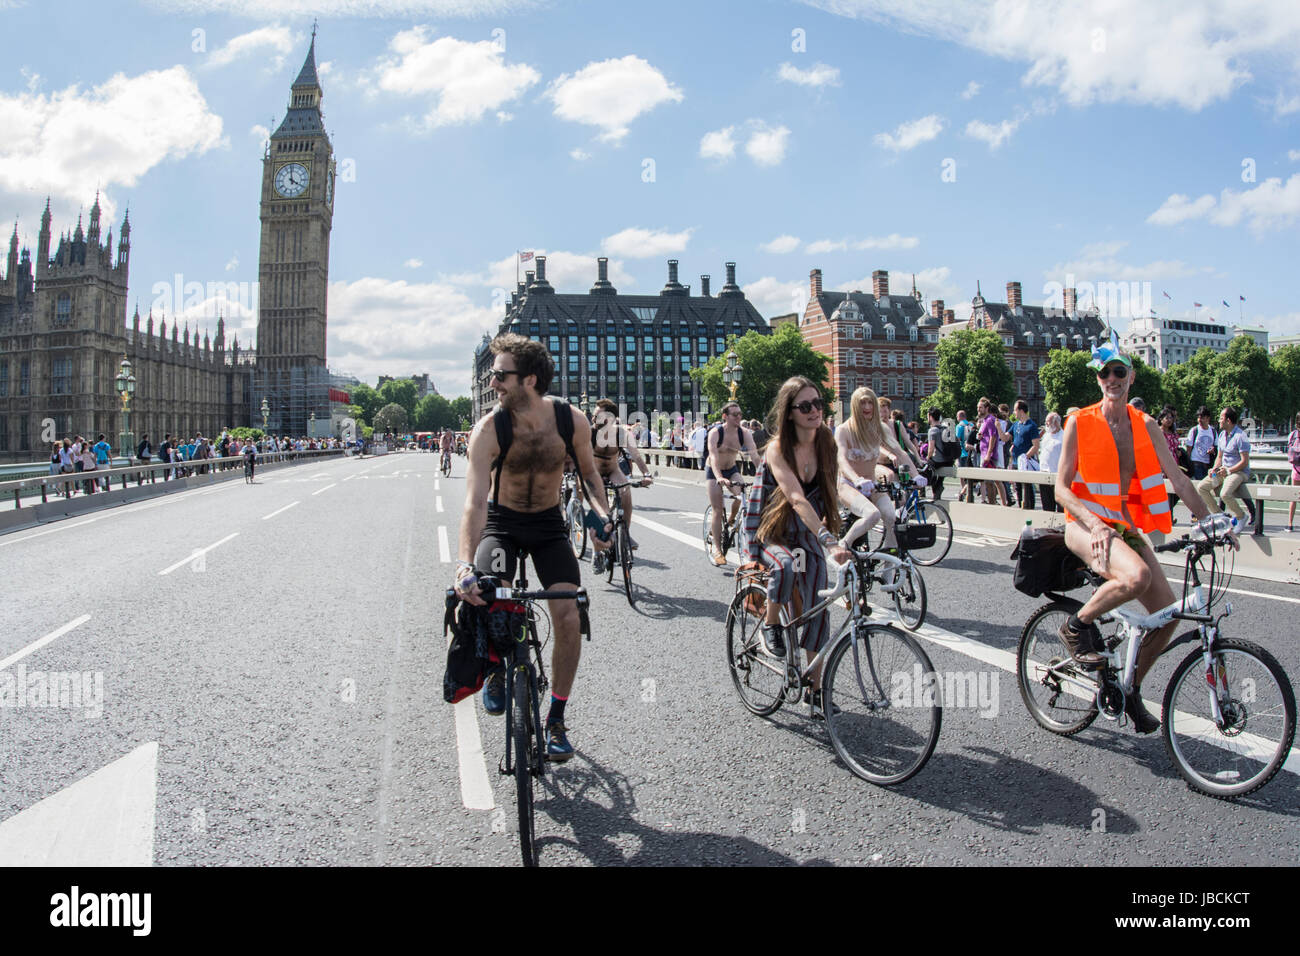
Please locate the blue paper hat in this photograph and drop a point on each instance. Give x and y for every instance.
(1108, 352)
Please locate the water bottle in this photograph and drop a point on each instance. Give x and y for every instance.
(1215, 526)
(904, 474)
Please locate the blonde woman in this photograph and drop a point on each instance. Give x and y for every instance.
(861, 440)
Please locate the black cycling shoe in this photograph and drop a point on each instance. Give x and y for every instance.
(814, 700)
(773, 640)
(1081, 645)
(1143, 721)
(494, 692)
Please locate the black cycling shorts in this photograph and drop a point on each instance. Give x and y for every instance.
(539, 533)
(732, 472)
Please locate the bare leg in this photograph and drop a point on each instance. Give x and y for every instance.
(568, 642)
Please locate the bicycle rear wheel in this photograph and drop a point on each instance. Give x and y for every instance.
(759, 677)
(524, 743)
(1258, 728)
(909, 599)
(611, 553)
(883, 721)
(930, 512)
(625, 559)
(707, 533)
(1041, 660)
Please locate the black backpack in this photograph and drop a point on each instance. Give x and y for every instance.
(505, 435)
(1044, 563)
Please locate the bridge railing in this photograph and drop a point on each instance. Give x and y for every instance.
(139, 473)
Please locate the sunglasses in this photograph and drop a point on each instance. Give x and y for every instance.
(808, 407)
(501, 374)
(1120, 372)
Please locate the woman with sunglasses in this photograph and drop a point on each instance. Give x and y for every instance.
(792, 517)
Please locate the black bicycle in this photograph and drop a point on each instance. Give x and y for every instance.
(446, 463)
(248, 469)
(526, 683)
(910, 507)
(620, 547)
(733, 526)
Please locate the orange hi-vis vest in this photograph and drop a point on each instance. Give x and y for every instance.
(1096, 481)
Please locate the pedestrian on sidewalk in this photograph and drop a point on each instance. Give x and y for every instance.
(88, 464)
(1024, 445)
(103, 460)
(1049, 456)
(1293, 456)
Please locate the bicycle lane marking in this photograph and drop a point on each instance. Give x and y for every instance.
(994, 656)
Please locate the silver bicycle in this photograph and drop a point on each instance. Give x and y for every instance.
(1229, 711)
(879, 695)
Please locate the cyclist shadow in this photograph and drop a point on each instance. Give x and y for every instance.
(1005, 793)
(950, 563)
(599, 806)
(1003, 636)
(663, 607)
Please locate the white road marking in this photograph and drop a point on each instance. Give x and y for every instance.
(437, 485)
(475, 788)
(1178, 583)
(326, 488)
(438, 503)
(668, 532)
(41, 642)
(279, 511)
(199, 553)
(104, 819)
(444, 549)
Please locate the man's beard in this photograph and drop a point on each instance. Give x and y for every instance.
(512, 400)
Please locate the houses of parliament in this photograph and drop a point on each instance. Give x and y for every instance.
(64, 328)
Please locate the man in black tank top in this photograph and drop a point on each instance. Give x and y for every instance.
(524, 511)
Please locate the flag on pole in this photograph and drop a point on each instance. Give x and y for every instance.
(1169, 297)
(1153, 311)
(1241, 297)
(1225, 304)
(1197, 304)
(525, 256)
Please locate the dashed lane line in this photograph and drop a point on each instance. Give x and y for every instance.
(444, 549)
(198, 554)
(320, 490)
(36, 645)
(280, 510)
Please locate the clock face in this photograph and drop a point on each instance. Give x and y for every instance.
(291, 180)
(329, 189)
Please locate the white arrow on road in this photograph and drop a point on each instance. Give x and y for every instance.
(105, 819)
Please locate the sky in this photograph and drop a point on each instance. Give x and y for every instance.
(1147, 154)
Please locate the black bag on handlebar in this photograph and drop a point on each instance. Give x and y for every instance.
(480, 638)
(1044, 563)
(917, 534)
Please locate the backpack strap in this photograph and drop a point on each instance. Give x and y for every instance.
(564, 425)
(505, 434)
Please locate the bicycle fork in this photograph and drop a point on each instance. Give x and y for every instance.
(879, 700)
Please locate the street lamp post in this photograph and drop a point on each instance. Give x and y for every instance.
(732, 373)
(266, 414)
(126, 388)
(585, 405)
(311, 425)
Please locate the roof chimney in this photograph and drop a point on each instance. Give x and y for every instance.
(672, 286)
(528, 280)
(1071, 301)
(1013, 295)
(880, 284)
(815, 283)
(949, 316)
(731, 290)
(704, 286)
(603, 285)
(936, 308)
(541, 285)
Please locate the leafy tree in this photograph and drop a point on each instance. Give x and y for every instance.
(1187, 384)
(1285, 365)
(768, 360)
(243, 433)
(1068, 381)
(1242, 377)
(391, 418)
(402, 392)
(462, 410)
(1148, 384)
(434, 413)
(972, 365)
(365, 402)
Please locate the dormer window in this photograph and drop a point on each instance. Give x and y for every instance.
(912, 333)
(889, 332)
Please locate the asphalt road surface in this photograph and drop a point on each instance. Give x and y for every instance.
(269, 665)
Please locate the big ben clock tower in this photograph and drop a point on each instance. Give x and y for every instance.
(297, 212)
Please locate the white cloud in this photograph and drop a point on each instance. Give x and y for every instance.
(993, 134)
(780, 245)
(911, 134)
(972, 90)
(1099, 262)
(818, 75)
(275, 39)
(387, 326)
(1270, 205)
(1293, 155)
(504, 117)
(611, 94)
(325, 68)
(233, 264)
(262, 10)
(413, 263)
(566, 271)
(581, 155)
(767, 145)
(259, 133)
(1180, 208)
(822, 246)
(466, 78)
(933, 283)
(637, 243)
(66, 143)
(891, 241)
(720, 144)
(1284, 105)
(1187, 53)
(772, 296)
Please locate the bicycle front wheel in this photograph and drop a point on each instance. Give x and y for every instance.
(882, 703)
(933, 513)
(625, 559)
(707, 531)
(909, 599)
(759, 677)
(1043, 665)
(577, 530)
(1246, 747)
(522, 738)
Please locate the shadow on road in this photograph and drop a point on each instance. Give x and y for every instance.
(599, 805)
(664, 607)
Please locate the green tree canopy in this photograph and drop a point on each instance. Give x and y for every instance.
(1187, 384)
(972, 365)
(462, 410)
(1285, 365)
(1148, 384)
(1243, 378)
(402, 392)
(434, 413)
(365, 402)
(251, 434)
(391, 418)
(1068, 381)
(768, 360)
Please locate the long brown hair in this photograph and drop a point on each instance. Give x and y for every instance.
(778, 512)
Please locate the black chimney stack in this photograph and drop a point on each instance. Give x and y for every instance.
(704, 286)
(673, 287)
(540, 284)
(731, 290)
(603, 286)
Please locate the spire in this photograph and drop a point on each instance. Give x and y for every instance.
(307, 75)
(45, 216)
(135, 319)
(79, 235)
(93, 234)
